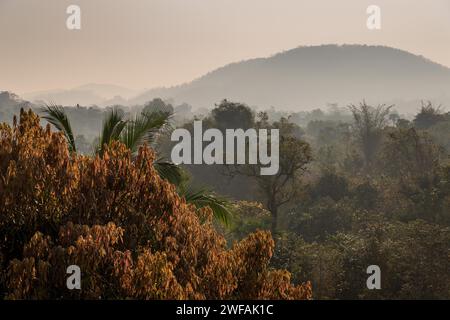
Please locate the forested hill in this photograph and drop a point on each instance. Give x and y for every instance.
(308, 77)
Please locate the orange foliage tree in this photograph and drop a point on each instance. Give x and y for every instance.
(127, 229)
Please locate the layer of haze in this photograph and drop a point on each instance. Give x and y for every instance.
(147, 43)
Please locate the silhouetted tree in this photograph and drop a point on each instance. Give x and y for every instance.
(232, 115)
(158, 105)
(428, 116)
(368, 125)
(284, 186)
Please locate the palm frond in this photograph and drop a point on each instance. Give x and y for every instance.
(169, 171)
(144, 128)
(56, 116)
(221, 207)
(113, 125)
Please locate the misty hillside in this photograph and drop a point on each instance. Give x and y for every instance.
(308, 77)
(89, 94)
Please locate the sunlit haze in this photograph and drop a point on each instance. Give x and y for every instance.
(148, 43)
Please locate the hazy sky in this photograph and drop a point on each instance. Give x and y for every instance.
(146, 43)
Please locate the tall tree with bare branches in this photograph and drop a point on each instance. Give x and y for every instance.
(368, 124)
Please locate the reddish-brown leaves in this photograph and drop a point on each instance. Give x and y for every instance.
(127, 229)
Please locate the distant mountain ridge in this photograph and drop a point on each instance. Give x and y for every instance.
(88, 94)
(313, 76)
(303, 78)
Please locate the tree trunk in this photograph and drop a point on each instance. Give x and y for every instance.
(274, 212)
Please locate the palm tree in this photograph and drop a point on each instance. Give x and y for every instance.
(144, 128)
(58, 117)
(132, 133)
(220, 206)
